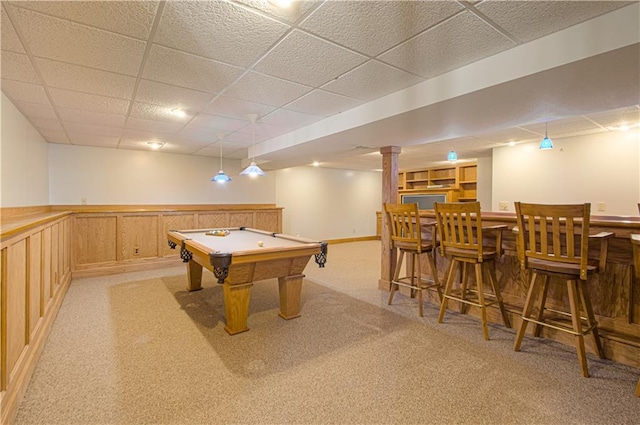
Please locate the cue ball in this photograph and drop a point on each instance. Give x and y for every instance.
(260, 243)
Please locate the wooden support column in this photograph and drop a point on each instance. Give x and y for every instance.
(389, 195)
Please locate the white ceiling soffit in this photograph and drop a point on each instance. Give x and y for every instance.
(330, 80)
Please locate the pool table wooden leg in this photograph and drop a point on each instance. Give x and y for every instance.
(236, 307)
(194, 276)
(290, 292)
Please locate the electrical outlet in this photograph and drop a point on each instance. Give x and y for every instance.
(83, 201)
(503, 206)
(136, 251)
(602, 207)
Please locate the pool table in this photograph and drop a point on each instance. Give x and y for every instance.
(239, 256)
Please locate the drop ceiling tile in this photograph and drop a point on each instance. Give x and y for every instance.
(184, 26)
(319, 102)
(529, 20)
(181, 149)
(171, 97)
(83, 139)
(8, 37)
(263, 131)
(290, 119)
(141, 144)
(267, 90)
(19, 91)
(98, 130)
(66, 41)
(36, 110)
(79, 78)
(459, 41)
(132, 18)
(615, 118)
(508, 135)
(146, 136)
(88, 117)
(151, 112)
(373, 27)
(54, 136)
(46, 124)
(88, 102)
(201, 134)
(187, 70)
(218, 122)
(562, 127)
(371, 81)
(18, 67)
(309, 60)
(156, 126)
(237, 108)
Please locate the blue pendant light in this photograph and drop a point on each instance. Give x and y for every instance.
(546, 142)
(253, 170)
(221, 177)
(453, 156)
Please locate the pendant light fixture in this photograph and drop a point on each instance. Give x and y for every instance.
(253, 170)
(221, 177)
(453, 156)
(546, 142)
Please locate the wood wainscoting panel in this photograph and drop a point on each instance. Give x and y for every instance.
(35, 280)
(212, 220)
(241, 219)
(47, 294)
(269, 221)
(94, 239)
(138, 236)
(16, 306)
(174, 222)
(54, 260)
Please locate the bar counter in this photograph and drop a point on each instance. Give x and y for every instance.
(615, 292)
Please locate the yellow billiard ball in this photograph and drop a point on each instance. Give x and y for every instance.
(260, 243)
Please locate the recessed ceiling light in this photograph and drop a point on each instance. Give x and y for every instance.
(155, 145)
(316, 163)
(511, 143)
(178, 113)
(284, 4)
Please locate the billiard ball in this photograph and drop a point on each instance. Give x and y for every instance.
(260, 243)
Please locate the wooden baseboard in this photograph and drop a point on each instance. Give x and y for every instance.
(357, 239)
(13, 395)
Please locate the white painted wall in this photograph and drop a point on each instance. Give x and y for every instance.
(325, 203)
(24, 162)
(595, 168)
(115, 176)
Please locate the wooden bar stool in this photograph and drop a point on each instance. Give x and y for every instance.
(551, 243)
(635, 244)
(461, 241)
(406, 236)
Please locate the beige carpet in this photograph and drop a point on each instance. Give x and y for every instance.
(139, 349)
